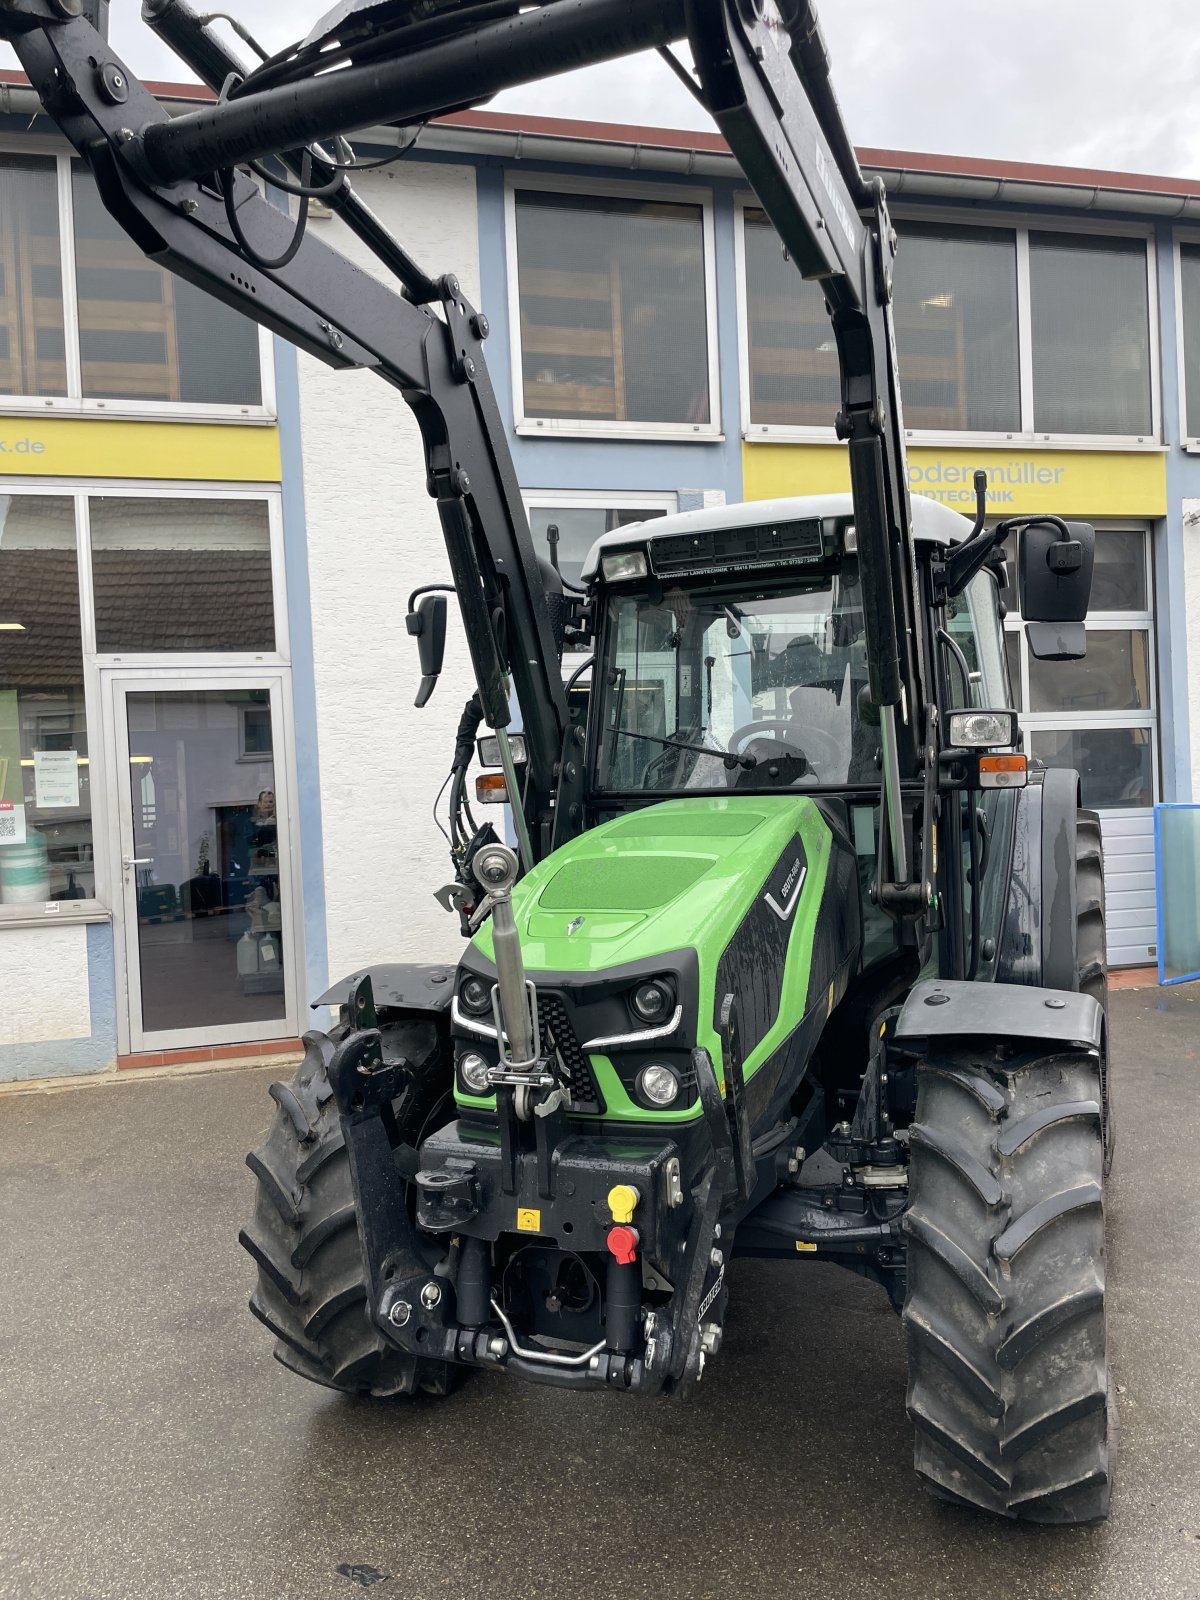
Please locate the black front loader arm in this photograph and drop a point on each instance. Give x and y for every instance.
(763, 75)
(333, 309)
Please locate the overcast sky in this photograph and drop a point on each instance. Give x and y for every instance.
(1085, 82)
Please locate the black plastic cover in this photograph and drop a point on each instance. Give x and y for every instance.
(941, 1008)
(398, 985)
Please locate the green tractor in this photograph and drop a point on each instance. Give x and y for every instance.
(695, 1032)
(793, 956)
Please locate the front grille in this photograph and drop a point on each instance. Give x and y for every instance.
(559, 1035)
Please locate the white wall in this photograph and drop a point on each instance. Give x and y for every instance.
(44, 981)
(373, 536)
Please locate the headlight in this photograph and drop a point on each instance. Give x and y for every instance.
(475, 996)
(658, 1085)
(982, 730)
(473, 1070)
(652, 1002)
(621, 565)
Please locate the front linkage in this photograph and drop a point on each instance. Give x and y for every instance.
(532, 1166)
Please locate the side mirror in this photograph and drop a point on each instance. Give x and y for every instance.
(1056, 561)
(427, 624)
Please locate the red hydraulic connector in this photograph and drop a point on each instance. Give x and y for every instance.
(622, 1245)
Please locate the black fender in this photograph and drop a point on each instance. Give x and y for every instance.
(947, 1008)
(408, 986)
(1038, 934)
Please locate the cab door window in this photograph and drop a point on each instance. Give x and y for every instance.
(980, 677)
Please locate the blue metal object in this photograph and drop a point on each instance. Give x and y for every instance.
(1178, 895)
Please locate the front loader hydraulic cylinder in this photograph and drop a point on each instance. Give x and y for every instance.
(410, 87)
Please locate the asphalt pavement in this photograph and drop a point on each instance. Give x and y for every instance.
(151, 1447)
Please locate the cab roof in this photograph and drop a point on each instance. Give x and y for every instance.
(932, 521)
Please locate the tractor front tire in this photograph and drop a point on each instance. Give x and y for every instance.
(1091, 952)
(1008, 1385)
(312, 1291)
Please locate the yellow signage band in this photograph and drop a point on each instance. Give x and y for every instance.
(97, 447)
(1084, 483)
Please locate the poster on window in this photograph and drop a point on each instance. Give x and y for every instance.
(12, 823)
(56, 779)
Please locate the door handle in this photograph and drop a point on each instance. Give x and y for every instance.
(137, 861)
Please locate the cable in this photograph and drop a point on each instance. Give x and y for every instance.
(318, 191)
(305, 59)
(340, 169)
(437, 820)
(264, 263)
(578, 673)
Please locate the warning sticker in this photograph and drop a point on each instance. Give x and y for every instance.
(528, 1220)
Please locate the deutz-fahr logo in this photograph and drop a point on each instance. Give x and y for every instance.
(783, 896)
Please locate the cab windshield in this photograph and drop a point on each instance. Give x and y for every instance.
(729, 687)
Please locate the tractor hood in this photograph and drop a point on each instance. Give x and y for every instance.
(679, 874)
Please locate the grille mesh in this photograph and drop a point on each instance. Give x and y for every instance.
(558, 1032)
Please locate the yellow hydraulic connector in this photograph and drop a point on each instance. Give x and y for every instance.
(622, 1202)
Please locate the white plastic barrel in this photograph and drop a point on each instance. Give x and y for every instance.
(24, 872)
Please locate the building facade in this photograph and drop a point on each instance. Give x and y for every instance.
(215, 793)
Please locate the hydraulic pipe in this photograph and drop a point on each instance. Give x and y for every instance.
(454, 72)
(210, 59)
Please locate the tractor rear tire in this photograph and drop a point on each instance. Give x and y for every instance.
(1008, 1376)
(1091, 952)
(312, 1291)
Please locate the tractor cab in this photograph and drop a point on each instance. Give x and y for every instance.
(731, 650)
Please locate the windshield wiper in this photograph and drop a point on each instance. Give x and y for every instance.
(727, 757)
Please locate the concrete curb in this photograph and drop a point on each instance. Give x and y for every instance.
(124, 1075)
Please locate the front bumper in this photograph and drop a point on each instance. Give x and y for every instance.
(441, 1271)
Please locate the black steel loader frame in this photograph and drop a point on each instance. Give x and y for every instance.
(172, 184)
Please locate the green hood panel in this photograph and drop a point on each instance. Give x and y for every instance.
(680, 873)
(720, 876)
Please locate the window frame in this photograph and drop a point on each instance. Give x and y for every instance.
(1033, 722)
(1180, 237)
(1026, 436)
(73, 403)
(580, 427)
(165, 665)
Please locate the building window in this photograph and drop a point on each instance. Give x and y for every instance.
(45, 773)
(1097, 715)
(956, 328)
(181, 575)
(613, 300)
(793, 364)
(1189, 280)
(88, 322)
(256, 740)
(145, 334)
(32, 338)
(968, 300)
(1091, 335)
(580, 520)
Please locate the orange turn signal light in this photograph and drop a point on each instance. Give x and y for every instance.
(1003, 772)
(491, 789)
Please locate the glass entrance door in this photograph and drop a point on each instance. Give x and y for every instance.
(205, 861)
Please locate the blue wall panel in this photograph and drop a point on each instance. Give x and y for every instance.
(304, 688)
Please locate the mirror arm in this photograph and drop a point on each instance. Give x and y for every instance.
(961, 565)
(429, 588)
